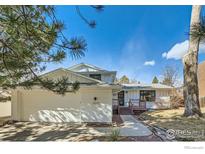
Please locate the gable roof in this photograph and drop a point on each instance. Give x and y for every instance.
(82, 67)
(64, 72)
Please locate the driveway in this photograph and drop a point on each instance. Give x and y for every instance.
(130, 130)
(33, 131)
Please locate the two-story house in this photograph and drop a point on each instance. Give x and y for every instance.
(93, 102)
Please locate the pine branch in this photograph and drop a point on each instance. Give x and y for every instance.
(91, 23)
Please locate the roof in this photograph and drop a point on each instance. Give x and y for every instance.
(69, 71)
(93, 83)
(105, 85)
(145, 86)
(80, 70)
(82, 67)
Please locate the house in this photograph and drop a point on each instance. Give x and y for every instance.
(201, 83)
(201, 79)
(155, 96)
(93, 102)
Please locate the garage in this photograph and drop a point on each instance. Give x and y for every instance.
(88, 104)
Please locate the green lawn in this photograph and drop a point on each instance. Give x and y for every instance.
(173, 119)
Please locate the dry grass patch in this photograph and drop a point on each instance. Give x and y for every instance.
(173, 119)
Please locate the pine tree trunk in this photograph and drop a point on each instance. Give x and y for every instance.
(190, 61)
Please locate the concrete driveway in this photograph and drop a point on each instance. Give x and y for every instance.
(33, 131)
(130, 130)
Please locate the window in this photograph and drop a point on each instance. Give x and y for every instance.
(148, 95)
(95, 76)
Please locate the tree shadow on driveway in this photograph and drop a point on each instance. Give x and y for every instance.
(28, 131)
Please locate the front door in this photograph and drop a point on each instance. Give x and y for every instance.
(121, 98)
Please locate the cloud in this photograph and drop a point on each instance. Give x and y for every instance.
(131, 58)
(179, 50)
(149, 63)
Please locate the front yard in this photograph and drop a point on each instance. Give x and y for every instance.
(184, 128)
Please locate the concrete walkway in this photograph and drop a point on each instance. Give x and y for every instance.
(131, 127)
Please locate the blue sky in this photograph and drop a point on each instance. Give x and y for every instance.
(138, 41)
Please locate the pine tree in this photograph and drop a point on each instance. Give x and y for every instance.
(155, 80)
(124, 80)
(30, 38)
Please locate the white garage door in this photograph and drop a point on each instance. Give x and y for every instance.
(40, 105)
(86, 105)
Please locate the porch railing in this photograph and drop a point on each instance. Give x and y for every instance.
(134, 104)
(137, 104)
(202, 101)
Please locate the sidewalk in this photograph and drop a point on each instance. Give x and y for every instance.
(130, 127)
(133, 127)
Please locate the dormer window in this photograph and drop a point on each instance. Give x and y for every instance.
(95, 76)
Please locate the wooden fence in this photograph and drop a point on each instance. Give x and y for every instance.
(202, 101)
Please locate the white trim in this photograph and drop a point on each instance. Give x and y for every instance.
(106, 86)
(87, 65)
(83, 76)
(65, 70)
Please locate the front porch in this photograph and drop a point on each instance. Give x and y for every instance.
(135, 107)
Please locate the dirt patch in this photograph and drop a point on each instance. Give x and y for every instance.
(184, 128)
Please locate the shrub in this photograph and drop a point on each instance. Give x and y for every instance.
(115, 134)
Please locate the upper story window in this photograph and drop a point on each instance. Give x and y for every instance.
(95, 76)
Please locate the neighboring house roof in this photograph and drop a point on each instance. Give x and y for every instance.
(145, 86)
